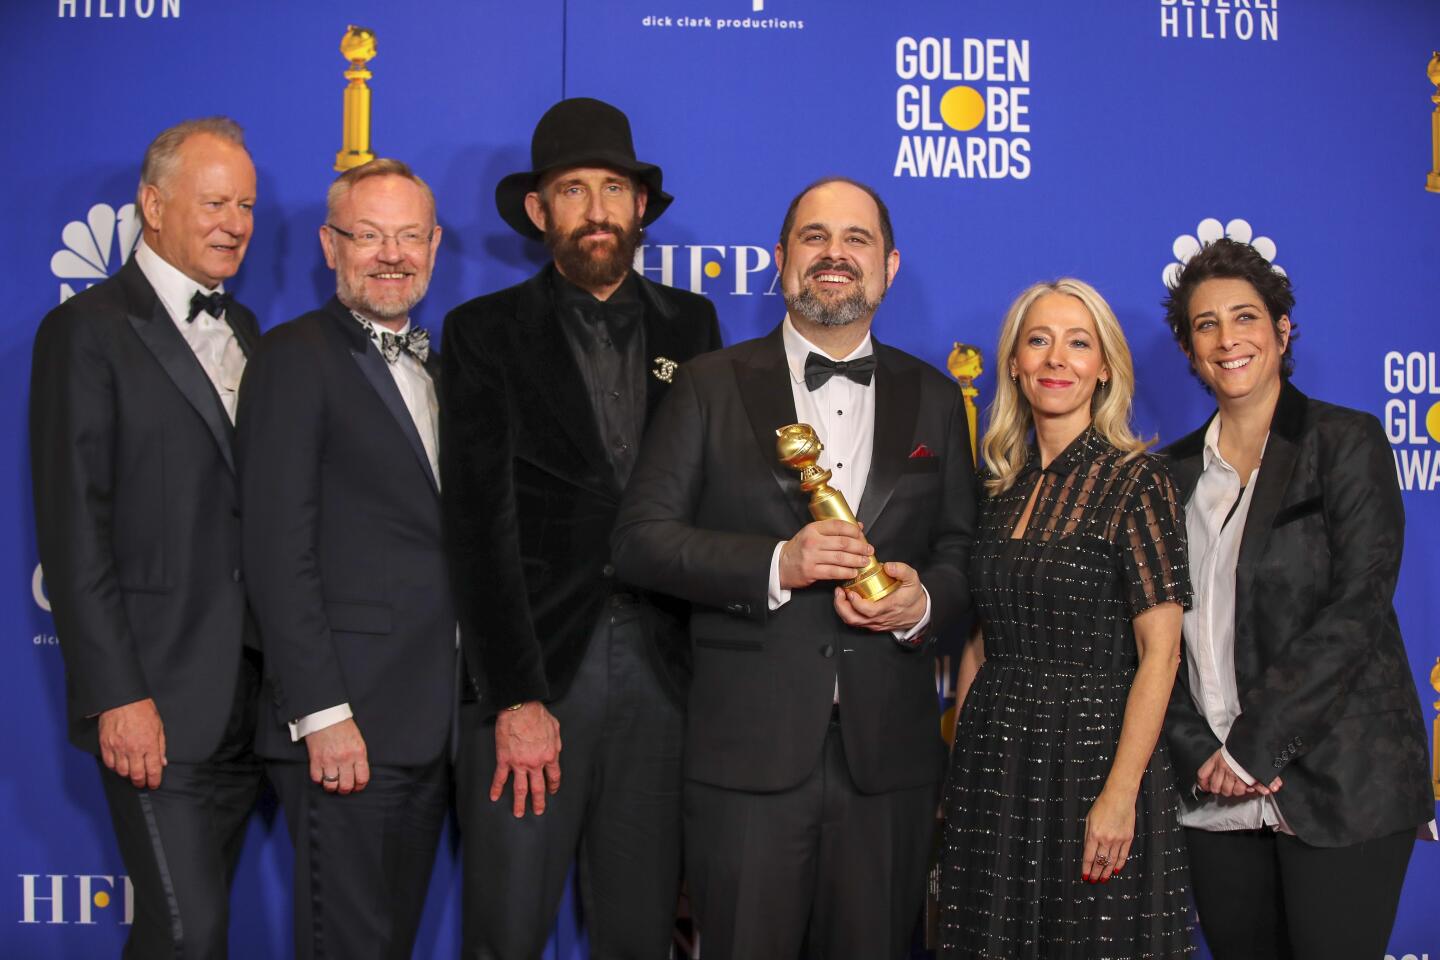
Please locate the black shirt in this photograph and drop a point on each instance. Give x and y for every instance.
(608, 340)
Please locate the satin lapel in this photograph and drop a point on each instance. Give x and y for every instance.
(377, 372)
(548, 361)
(1187, 460)
(1276, 467)
(764, 383)
(157, 331)
(242, 333)
(897, 404)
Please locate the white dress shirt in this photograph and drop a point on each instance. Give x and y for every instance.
(417, 389)
(1214, 527)
(843, 415)
(210, 338)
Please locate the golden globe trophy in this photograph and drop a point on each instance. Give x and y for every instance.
(798, 448)
(1435, 745)
(1432, 182)
(966, 364)
(357, 46)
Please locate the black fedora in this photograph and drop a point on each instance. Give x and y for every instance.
(578, 132)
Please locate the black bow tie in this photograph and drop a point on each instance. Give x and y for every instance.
(213, 304)
(415, 341)
(819, 370)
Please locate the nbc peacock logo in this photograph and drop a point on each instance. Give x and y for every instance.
(1208, 231)
(94, 248)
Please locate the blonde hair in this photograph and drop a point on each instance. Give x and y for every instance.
(379, 167)
(1009, 419)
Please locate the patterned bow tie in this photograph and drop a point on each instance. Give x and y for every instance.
(415, 341)
(213, 304)
(819, 370)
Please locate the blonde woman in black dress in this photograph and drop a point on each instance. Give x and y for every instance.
(1062, 839)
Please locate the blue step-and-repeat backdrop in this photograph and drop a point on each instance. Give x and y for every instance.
(1013, 140)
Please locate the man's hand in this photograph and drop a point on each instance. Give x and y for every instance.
(132, 742)
(527, 744)
(823, 550)
(1216, 777)
(338, 761)
(900, 611)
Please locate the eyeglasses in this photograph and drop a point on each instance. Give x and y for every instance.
(368, 239)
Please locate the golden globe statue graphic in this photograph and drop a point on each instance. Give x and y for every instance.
(1435, 746)
(966, 364)
(1432, 182)
(798, 448)
(357, 46)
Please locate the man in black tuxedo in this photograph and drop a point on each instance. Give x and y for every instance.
(813, 753)
(132, 399)
(338, 442)
(547, 389)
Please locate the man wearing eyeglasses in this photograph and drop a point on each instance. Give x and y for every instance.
(339, 467)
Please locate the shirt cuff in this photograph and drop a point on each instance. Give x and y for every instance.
(778, 596)
(1235, 768)
(915, 634)
(319, 720)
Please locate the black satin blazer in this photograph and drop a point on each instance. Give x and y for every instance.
(1327, 699)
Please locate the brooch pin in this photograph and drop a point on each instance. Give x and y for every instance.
(664, 369)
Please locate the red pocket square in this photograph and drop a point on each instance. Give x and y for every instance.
(921, 452)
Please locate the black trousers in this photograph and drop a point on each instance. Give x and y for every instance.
(618, 809)
(362, 861)
(180, 842)
(1266, 894)
(821, 871)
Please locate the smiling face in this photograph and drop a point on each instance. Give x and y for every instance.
(199, 218)
(382, 282)
(1058, 360)
(591, 220)
(1235, 345)
(833, 267)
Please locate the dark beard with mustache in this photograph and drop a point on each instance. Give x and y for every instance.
(601, 266)
(837, 313)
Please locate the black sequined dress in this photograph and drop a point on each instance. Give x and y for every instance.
(1038, 730)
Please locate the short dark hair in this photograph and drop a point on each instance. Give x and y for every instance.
(887, 232)
(1231, 259)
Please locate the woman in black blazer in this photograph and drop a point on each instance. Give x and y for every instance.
(1294, 723)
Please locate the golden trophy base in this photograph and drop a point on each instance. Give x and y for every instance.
(1432, 183)
(349, 160)
(873, 585)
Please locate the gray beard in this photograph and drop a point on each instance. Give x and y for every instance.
(842, 313)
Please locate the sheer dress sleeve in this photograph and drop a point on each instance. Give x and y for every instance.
(1151, 538)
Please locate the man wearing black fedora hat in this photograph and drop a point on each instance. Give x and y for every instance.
(546, 390)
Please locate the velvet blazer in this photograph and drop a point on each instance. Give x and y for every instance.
(530, 497)
(137, 513)
(1327, 699)
(705, 508)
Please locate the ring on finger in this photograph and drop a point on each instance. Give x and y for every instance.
(1102, 860)
(327, 778)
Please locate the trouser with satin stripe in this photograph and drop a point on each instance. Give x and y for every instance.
(362, 860)
(180, 841)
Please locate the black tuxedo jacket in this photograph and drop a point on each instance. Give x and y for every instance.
(704, 510)
(342, 538)
(1326, 695)
(530, 497)
(137, 513)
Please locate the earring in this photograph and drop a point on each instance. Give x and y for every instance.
(1014, 378)
(1104, 383)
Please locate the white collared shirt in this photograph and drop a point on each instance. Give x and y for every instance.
(210, 338)
(417, 389)
(843, 415)
(1214, 527)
